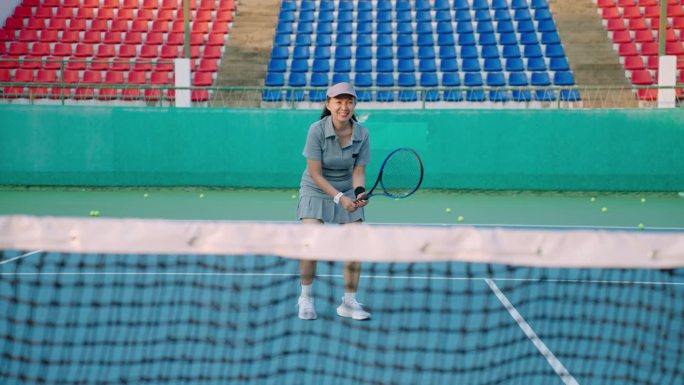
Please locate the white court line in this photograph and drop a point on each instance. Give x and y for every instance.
(555, 363)
(389, 277)
(21, 256)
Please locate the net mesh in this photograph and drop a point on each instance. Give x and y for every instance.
(81, 316)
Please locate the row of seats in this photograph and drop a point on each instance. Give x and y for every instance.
(415, 16)
(407, 5)
(65, 18)
(128, 4)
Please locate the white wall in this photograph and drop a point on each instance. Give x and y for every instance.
(7, 9)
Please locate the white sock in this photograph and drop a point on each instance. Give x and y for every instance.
(306, 290)
(348, 297)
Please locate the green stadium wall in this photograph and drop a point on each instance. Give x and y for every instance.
(598, 150)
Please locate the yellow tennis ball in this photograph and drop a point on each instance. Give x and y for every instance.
(604, 209)
(448, 209)
(460, 218)
(641, 225)
(294, 196)
(643, 200)
(201, 195)
(593, 199)
(145, 195)
(94, 213)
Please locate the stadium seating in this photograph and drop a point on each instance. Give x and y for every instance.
(634, 28)
(110, 42)
(392, 50)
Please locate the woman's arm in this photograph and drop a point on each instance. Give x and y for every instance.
(316, 172)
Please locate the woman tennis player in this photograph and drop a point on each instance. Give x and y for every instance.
(337, 150)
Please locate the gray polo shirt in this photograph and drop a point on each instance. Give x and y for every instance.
(337, 162)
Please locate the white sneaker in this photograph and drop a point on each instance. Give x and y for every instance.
(306, 308)
(352, 309)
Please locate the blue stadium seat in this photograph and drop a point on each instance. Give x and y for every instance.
(364, 28)
(343, 52)
(322, 52)
(282, 39)
(514, 65)
(407, 80)
(495, 79)
(443, 15)
(502, 15)
(384, 65)
(542, 14)
(345, 16)
(464, 27)
(299, 65)
(471, 65)
(363, 80)
(404, 39)
(546, 26)
(345, 28)
(280, 53)
(537, 4)
(477, 95)
(296, 79)
(522, 14)
(447, 52)
(526, 26)
(466, 39)
(545, 95)
(284, 27)
(305, 27)
(383, 16)
(480, 4)
(426, 52)
(499, 4)
(363, 52)
(324, 15)
(554, 50)
(405, 52)
(325, 40)
(461, 5)
(345, 6)
(473, 79)
(518, 79)
(448, 65)
(321, 65)
(384, 40)
(559, 64)
(532, 51)
(307, 6)
(384, 52)
(445, 39)
(540, 79)
(484, 27)
(341, 40)
(492, 65)
(288, 5)
(426, 40)
(508, 38)
(422, 5)
(469, 52)
(452, 80)
(406, 65)
(423, 16)
(274, 79)
(536, 64)
(301, 52)
(384, 5)
(403, 17)
(487, 39)
(528, 38)
(425, 27)
(482, 15)
(462, 15)
(277, 65)
(521, 95)
(384, 28)
(499, 95)
(326, 6)
(404, 28)
(426, 65)
(324, 27)
(384, 81)
(364, 6)
(563, 78)
(286, 16)
(570, 95)
(490, 51)
(550, 38)
(429, 80)
(402, 5)
(305, 16)
(340, 78)
(342, 65)
(511, 51)
(444, 27)
(505, 27)
(519, 4)
(363, 66)
(364, 40)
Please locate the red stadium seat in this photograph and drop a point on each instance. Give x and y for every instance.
(622, 37)
(631, 12)
(644, 36)
(27, 35)
(203, 16)
(112, 38)
(44, 13)
(127, 51)
(642, 78)
(650, 49)
(132, 38)
(64, 12)
(207, 5)
(36, 24)
(637, 24)
(634, 63)
(674, 48)
(165, 15)
(220, 27)
(105, 14)
(5, 75)
(149, 52)
(31, 62)
(23, 11)
(136, 78)
(70, 37)
(84, 50)
(111, 4)
(132, 4)
(62, 50)
(224, 16)
(208, 65)
(23, 76)
(105, 51)
(626, 3)
(10, 62)
(627, 49)
(78, 25)
(227, 5)
(650, 94)
(48, 36)
(216, 39)
(154, 38)
(120, 64)
(119, 26)
(202, 79)
(84, 13)
(144, 14)
(160, 26)
(18, 49)
(170, 4)
(212, 52)
(71, 3)
(125, 14)
(76, 64)
(610, 13)
(92, 37)
(150, 4)
(112, 78)
(175, 39)
(140, 26)
(15, 23)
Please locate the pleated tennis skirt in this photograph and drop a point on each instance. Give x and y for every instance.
(326, 210)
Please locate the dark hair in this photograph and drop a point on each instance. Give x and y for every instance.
(326, 112)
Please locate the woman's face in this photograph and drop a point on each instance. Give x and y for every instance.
(341, 108)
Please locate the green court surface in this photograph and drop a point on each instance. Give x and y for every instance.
(586, 209)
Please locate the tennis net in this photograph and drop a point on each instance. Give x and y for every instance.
(130, 301)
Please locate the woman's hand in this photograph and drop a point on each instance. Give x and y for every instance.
(361, 200)
(349, 204)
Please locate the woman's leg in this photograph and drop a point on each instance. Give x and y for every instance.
(307, 272)
(307, 269)
(350, 307)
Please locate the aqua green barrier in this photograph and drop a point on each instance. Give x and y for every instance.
(606, 150)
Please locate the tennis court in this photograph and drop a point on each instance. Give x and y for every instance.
(113, 318)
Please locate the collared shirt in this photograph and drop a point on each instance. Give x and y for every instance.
(337, 162)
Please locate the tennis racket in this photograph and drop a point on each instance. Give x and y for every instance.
(400, 175)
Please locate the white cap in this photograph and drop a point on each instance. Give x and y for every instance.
(340, 89)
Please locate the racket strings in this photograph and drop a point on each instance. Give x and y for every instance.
(402, 173)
